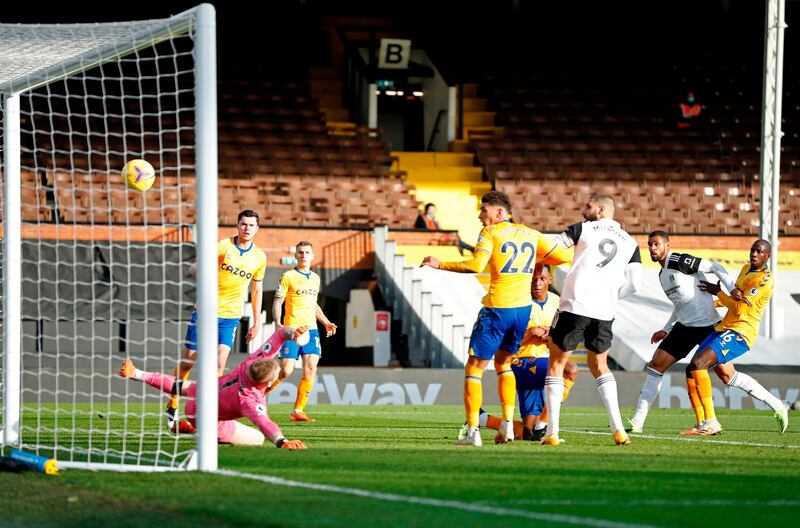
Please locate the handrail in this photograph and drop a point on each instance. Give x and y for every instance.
(435, 129)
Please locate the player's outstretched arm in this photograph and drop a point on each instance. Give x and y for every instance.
(474, 265)
(273, 343)
(552, 252)
(330, 328)
(712, 266)
(255, 410)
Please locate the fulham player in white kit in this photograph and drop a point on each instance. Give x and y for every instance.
(607, 266)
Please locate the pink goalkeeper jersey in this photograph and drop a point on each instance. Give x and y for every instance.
(240, 398)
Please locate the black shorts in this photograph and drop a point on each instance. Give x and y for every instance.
(569, 330)
(682, 339)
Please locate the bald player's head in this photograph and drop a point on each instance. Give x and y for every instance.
(760, 252)
(599, 206)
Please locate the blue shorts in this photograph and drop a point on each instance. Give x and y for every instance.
(498, 329)
(226, 331)
(291, 350)
(530, 373)
(727, 345)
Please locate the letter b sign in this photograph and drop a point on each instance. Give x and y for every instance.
(394, 54)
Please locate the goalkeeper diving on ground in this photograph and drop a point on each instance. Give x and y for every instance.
(242, 394)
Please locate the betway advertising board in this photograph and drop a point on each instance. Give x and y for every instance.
(386, 386)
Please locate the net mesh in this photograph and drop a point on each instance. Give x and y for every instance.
(105, 268)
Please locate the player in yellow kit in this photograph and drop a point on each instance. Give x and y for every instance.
(530, 364)
(240, 263)
(511, 251)
(733, 336)
(299, 288)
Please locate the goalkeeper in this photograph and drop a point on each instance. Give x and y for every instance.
(241, 394)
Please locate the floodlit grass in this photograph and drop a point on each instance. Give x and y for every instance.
(747, 476)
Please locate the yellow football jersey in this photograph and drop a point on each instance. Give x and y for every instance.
(744, 318)
(300, 291)
(511, 251)
(237, 267)
(541, 315)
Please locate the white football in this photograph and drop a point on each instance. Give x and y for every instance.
(303, 338)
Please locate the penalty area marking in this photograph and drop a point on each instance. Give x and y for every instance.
(441, 503)
(703, 440)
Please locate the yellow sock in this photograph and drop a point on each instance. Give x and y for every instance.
(473, 393)
(703, 383)
(184, 375)
(694, 399)
(272, 387)
(568, 384)
(507, 389)
(303, 392)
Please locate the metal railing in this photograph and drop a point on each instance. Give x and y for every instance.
(434, 339)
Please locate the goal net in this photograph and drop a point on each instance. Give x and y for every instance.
(94, 272)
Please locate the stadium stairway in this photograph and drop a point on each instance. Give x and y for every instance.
(449, 180)
(478, 120)
(436, 310)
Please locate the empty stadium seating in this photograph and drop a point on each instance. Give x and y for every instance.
(276, 155)
(564, 137)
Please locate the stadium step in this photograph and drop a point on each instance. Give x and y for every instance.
(459, 145)
(469, 90)
(478, 118)
(451, 182)
(413, 160)
(335, 114)
(477, 121)
(475, 132)
(475, 104)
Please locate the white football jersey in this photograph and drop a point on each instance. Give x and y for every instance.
(602, 251)
(680, 279)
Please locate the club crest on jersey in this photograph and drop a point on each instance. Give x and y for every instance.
(753, 291)
(261, 409)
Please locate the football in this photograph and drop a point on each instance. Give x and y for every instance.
(303, 338)
(138, 174)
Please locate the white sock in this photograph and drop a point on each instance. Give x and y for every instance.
(296, 411)
(538, 426)
(138, 374)
(482, 418)
(553, 394)
(607, 387)
(755, 390)
(652, 384)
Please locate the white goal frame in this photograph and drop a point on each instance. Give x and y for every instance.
(203, 19)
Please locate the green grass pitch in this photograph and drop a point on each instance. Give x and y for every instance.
(396, 466)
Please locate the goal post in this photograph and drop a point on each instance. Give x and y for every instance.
(94, 272)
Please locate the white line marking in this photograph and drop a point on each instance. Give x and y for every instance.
(426, 501)
(656, 502)
(704, 440)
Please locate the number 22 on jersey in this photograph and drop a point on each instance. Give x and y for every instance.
(517, 255)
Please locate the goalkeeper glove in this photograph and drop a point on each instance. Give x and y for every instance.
(290, 444)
